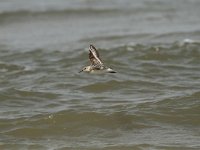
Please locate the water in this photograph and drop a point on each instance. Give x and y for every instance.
(153, 102)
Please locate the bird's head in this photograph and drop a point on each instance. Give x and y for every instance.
(86, 69)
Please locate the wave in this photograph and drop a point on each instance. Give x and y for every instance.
(82, 11)
(24, 15)
(113, 85)
(181, 34)
(72, 120)
(7, 67)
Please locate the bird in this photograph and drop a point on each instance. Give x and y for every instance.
(96, 66)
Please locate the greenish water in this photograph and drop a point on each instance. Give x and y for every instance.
(152, 102)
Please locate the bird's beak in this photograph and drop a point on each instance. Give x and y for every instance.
(80, 71)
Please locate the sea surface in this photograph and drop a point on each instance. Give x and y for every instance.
(151, 103)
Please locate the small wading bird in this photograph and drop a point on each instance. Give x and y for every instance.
(96, 65)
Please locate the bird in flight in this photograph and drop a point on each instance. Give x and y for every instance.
(96, 65)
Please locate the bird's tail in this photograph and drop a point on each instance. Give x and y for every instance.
(109, 70)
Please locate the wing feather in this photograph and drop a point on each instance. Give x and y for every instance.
(94, 56)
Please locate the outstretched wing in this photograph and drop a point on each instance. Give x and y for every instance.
(94, 56)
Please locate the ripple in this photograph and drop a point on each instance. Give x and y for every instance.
(5, 67)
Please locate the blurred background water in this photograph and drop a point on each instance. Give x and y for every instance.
(153, 102)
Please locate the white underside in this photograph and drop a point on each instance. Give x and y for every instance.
(98, 71)
(101, 71)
